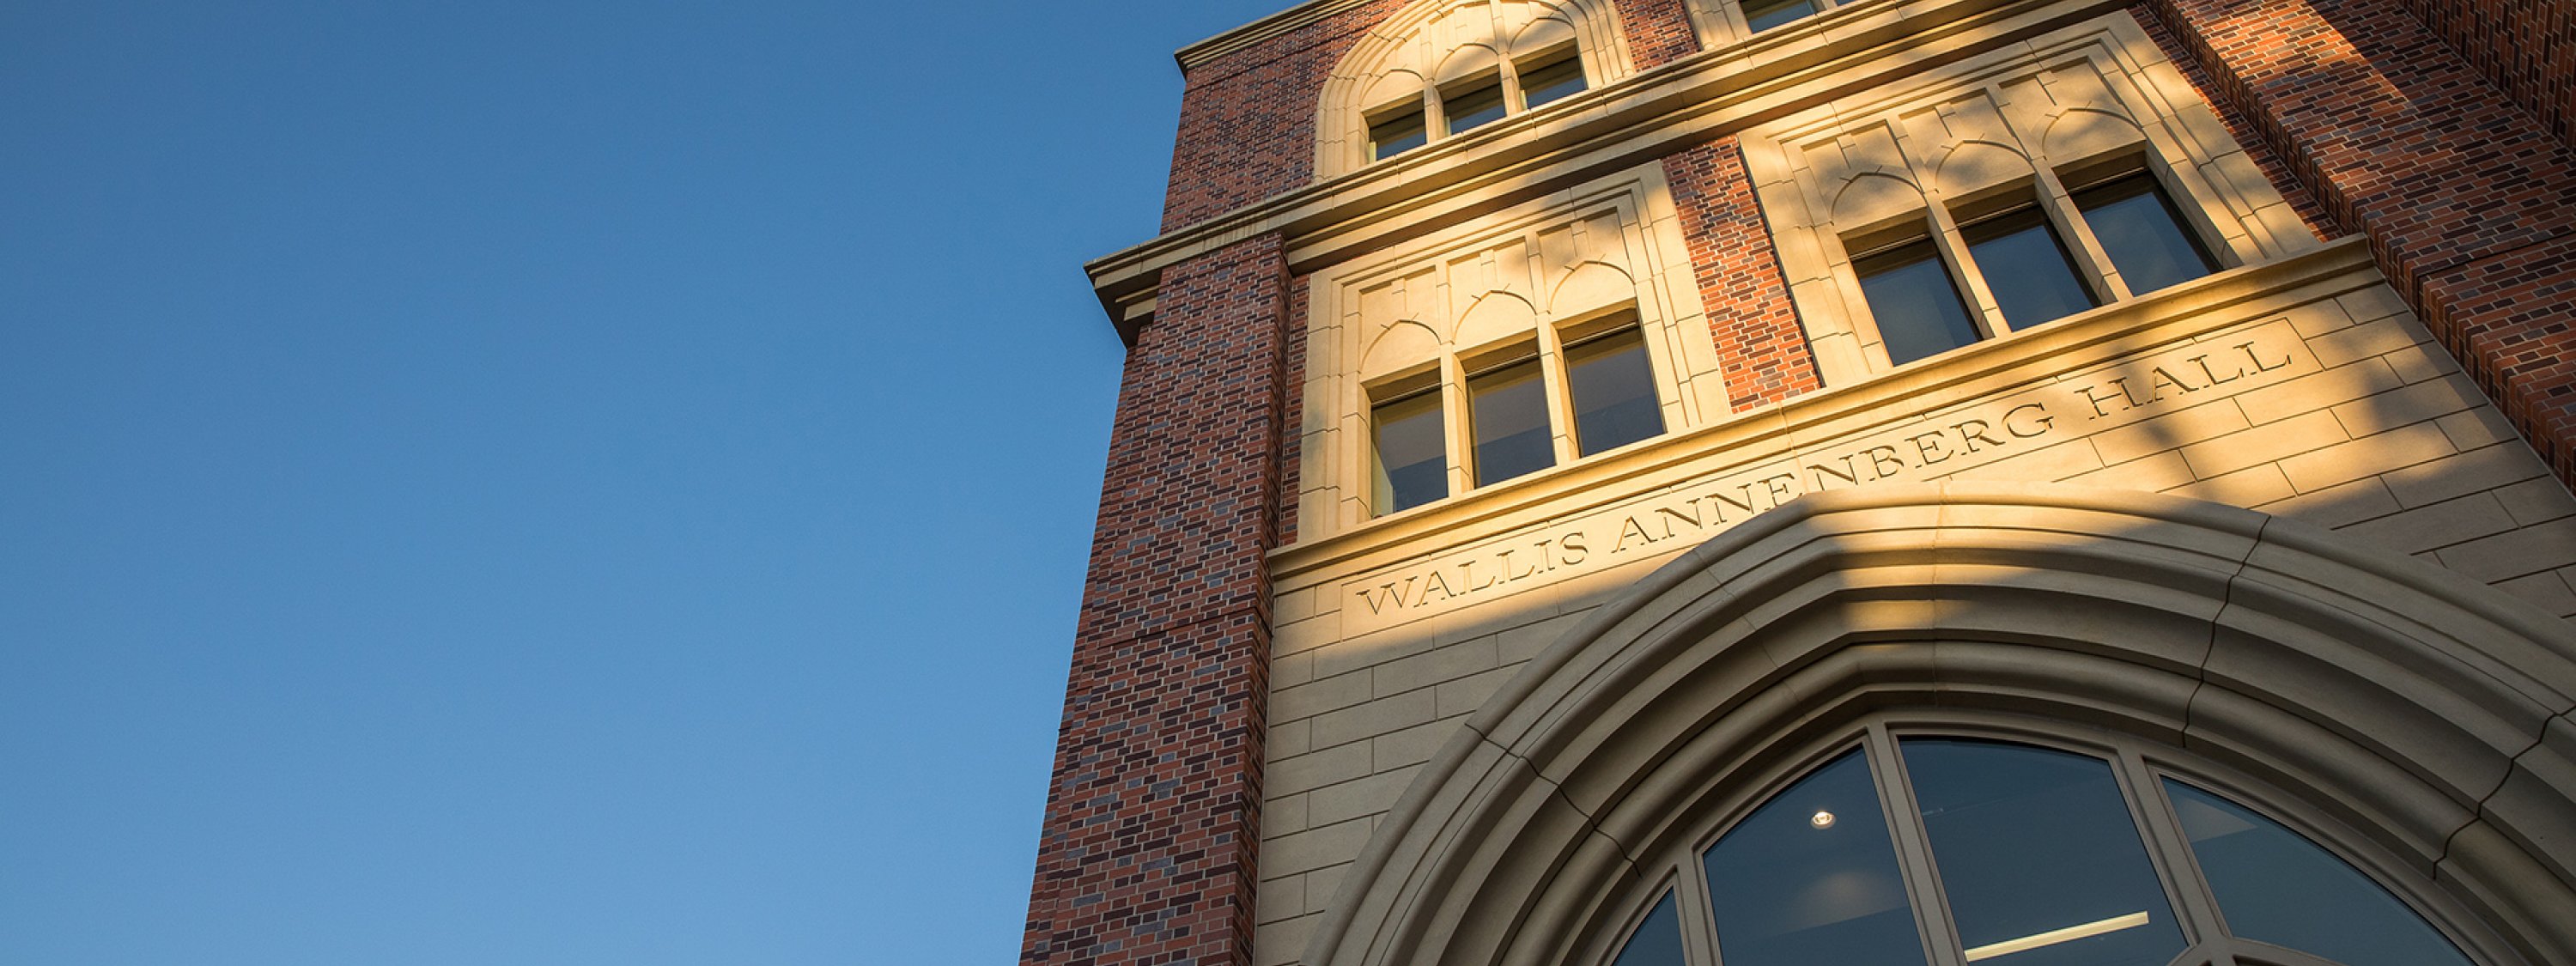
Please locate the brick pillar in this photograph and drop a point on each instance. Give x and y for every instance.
(2468, 200)
(1659, 31)
(1760, 344)
(1146, 856)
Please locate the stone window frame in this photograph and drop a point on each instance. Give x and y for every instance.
(1407, 64)
(1897, 174)
(1342, 388)
(2140, 767)
(1721, 23)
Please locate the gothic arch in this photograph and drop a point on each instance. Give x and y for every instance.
(2426, 712)
(1424, 44)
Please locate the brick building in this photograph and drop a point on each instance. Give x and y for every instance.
(1680, 482)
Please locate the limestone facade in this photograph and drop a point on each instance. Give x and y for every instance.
(2302, 522)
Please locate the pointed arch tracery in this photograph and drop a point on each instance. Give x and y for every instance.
(1441, 43)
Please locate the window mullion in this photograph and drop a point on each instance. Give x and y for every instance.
(1560, 394)
(1435, 118)
(2171, 849)
(2090, 257)
(1964, 273)
(1913, 851)
(1698, 911)
(1455, 430)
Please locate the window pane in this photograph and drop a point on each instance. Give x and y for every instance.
(1614, 393)
(1552, 81)
(1810, 878)
(1473, 107)
(1657, 941)
(1510, 413)
(1764, 16)
(1397, 133)
(2143, 234)
(2277, 887)
(1919, 312)
(1412, 460)
(2026, 268)
(2039, 857)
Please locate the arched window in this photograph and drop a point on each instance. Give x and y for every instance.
(1942, 849)
(1442, 68)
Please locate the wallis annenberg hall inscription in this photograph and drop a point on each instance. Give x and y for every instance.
(1940, 443)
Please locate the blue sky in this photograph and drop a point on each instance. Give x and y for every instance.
(496, 483)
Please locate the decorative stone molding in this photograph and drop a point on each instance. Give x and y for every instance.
(2423, 711)
(1436, 42)
(2010, 124)
(1608, 248)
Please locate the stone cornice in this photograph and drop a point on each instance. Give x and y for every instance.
(1264, 29)
(1638, 120)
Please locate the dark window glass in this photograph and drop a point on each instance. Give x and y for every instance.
(1509, 409)
(2275, 886)
(2039, 859)
(1474, 107)
(1551, 81)
(1412, 459)
(1764, 16)
(2143, 234)
(1810, 878)
(1395, 133)
(1614, 392)
(2026, 267)
(1919, 312)
(1657, 941)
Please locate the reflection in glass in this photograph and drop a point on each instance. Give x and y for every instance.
(2039, 857)
(1919, 312)
(1614, 392)
(2026, 267)
(2275, 886)
(2143, 234)
(1474, 107)
(1396, 133)
(1657, 941)
(1810, 878)
(1509, 411)
(1411, 455)
(1763, 16)
(1551, 81)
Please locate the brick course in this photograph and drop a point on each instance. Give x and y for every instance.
(2460, 192)
(1146, 856)
(1759, 342)
(1658, 32)
(2526, 48)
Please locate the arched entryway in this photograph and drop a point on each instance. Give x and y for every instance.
(2418, 718)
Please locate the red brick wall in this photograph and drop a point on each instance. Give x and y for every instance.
(1659, 32)
(2467, 199)
(1247, 128)
(1146, 856)
(2526, 48)
(1759, 341)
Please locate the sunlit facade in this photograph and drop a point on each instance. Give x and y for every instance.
(1699, 483)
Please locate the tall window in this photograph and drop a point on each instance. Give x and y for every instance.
(1519, 409)
(2021, 267)
(2143, 233)
(1978, 851)
(1412, 456)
